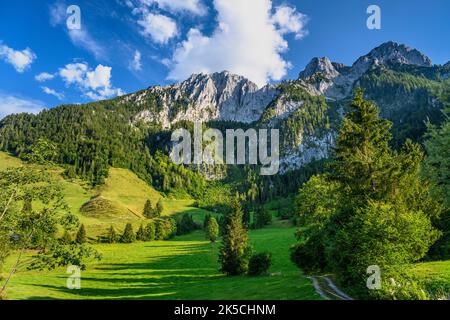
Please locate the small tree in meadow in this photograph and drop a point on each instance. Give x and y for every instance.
(212, 229)
(235, 251)
(149, 211)
(128, 234)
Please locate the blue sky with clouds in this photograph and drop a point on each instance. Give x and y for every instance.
(126, 45)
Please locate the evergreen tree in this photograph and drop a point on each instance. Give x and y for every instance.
(81, 235)
(212, 230)
(149, 231)
(112, 235)
(128, 234)
(140, 234)
(235, 252)
(149, 211)
(159, 208)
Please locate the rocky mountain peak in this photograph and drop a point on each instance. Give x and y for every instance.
(392, 52)
(320, 65)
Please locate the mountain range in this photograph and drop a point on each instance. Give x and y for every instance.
(403, 82)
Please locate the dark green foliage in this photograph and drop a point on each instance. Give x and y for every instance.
(186, 224)
(436, 168)
(259, 264)
(212, 230)
(128, 234)
(165, 228)
(262, 217)
(140, 234)
(81, 235)
(149, 231)
(111, 237)
(149, 211)
(159, 208)
(235, 251)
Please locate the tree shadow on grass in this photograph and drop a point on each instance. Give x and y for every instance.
(162, 277)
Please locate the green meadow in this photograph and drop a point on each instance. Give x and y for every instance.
(184, 268)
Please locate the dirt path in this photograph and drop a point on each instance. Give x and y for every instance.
(327, 289)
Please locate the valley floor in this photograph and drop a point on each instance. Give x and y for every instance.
(184, 268)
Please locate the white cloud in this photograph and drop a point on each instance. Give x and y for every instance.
(20, 60)
(73, 73)
(11, 104)
(289, 20)
(52, 92)
(136, 64)
(158, 27)
(95, 84)
(248, 41)
(44, 76)
(177, 6)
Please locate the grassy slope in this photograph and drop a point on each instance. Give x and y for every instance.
(184, 268)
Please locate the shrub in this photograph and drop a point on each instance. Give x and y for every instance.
(111, 237)
(259, 264)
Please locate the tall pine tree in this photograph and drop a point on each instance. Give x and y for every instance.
(235, 252)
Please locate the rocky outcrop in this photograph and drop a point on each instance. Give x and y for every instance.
(206, 97)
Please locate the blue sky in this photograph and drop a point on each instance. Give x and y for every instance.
(127, 45)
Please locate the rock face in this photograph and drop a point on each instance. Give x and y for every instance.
(206, 97)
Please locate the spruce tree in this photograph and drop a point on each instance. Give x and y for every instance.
(81, 235)
(111, 236)
(149, 212)
(149, 231)
(159, 208)
(212, 229)
(140, 235)
(235, 252)
(128, 234)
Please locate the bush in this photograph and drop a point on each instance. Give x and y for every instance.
(259, 264)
